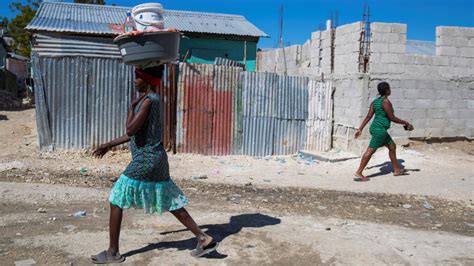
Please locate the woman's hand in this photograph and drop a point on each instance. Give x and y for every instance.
(358, 133)
(101, 151)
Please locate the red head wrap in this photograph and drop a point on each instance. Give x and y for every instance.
(151, 80)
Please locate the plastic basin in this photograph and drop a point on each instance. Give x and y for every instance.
(149, 47)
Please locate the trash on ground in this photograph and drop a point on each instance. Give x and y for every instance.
(428, 206)
(80, 214)
(197, 177)
(406, 206)
(83, 170)
(41, 210)
(25, 262)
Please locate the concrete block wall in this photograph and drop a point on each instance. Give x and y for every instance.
(313, 58)
(454, 52)
(347, 48)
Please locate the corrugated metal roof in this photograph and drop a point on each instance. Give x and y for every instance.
(98, 19)
(421, 47)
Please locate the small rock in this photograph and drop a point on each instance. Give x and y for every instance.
(406, 206)
(322, 207)
(328, 228)
(265, 200)
(19, 234)
(70, 227)
(248, 184)
(469, 224)
(198, 177)
(27, 262)
(41, 210)
(266, 180)
(428, 206)
(438, 225)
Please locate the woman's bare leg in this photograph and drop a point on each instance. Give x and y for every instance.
(115, 222)
(364, 161)
(183, 216)
(392, 153)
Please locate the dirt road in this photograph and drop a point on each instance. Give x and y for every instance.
(275, 210)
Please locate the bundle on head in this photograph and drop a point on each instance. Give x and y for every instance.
(151, 75)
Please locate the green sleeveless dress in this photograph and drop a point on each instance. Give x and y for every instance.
(379, 127)
(146, 183)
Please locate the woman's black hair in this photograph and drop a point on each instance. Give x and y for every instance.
(383, 88)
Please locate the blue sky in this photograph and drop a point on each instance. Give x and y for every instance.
(301, 17)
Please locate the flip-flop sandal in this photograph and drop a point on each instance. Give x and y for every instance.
(199, 251)
(103, 258)
(361, 179)
(402, 172)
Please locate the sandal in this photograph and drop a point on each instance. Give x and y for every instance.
(402, 172)
(199, 251)
(105, 258)
(361, 179)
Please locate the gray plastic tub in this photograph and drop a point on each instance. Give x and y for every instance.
(149, 47)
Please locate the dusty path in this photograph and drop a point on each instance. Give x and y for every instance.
(255, 228)
(274, 210)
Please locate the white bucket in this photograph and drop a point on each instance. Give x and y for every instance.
(148, 16)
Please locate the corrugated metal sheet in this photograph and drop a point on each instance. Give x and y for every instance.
(86, 99)
(97, 19)
(320, 116)
(421, 47)
(82, 102)
(206, 114)
(45, 139)
(55, 45)
(275, 109)
(258, 136)
(227, 62)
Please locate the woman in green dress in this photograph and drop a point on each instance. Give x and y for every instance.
(384, 115)
(146, 182)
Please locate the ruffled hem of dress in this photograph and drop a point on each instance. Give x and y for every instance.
(159, 197)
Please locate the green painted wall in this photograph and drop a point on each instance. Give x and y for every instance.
(204, 51)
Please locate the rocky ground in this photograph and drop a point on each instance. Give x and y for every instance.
(276, 210)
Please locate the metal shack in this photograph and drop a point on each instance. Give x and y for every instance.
(82, 87)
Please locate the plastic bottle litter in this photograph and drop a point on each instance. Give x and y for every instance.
(129, 24)
(428, 206)
(80, 214)
(83, 170)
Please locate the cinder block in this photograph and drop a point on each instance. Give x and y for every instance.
(378, 68)
(316, 35)
(424, 60)
(470, 104)
(466, 31)
(399, 28)
(397, 48)
(441, 60)
(447, 31)
(437, 122)
(423, 103)
(418, 113)
(443, 93)
(452, 132)
(447, 41)
(466, 52)
(408, 59)
(391, 38)
(436, 113)
(381, 27)
(390, 58)
(446, 50)
(462, 72)
(471, 42)
(411, 93)
(465, 113)
(379, 48)
(396, 68)
(461, 104)
(456, 122)
(451, 113)
(414, 70)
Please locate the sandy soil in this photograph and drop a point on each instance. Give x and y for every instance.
(276, 210)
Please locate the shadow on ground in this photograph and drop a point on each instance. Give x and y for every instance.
(218, 231)
(387, 168)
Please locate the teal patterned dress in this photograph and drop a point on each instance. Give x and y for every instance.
(146, 182)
